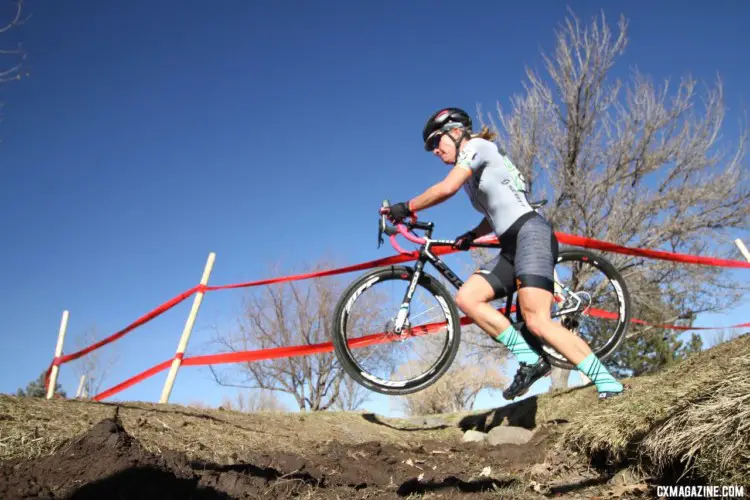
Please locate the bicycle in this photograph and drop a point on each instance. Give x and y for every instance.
(573, 309)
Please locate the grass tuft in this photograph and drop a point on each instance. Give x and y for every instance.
(691, 419)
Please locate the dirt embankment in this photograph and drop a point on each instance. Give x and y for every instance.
(107, 462)
(687, 424)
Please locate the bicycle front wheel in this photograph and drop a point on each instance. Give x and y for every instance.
(370, 350)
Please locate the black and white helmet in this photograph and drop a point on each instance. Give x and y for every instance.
(440, 122)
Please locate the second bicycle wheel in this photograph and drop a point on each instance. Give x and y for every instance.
(380, 359)
(590, 284)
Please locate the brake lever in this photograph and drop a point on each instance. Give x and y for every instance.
(382, 225)
(380, 231)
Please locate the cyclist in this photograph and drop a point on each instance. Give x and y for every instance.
(497, 190)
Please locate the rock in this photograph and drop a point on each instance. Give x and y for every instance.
(505, 434)
(472, 436)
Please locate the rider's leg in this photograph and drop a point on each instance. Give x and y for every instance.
(473, 299)
(535, 249)
(536, 305)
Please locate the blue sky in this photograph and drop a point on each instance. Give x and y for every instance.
(150, 134)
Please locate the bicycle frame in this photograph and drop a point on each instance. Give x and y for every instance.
(425, 255)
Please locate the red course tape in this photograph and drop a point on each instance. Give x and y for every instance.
(655, 254)
(306, 350)
(563, 238)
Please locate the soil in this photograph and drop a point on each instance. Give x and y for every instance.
(107, 462)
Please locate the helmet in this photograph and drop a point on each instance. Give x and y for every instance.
(440, 121)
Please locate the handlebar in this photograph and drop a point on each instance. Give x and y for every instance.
(402, 229)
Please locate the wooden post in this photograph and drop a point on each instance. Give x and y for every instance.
(80, 386)
(58, 353)
(182, 346)
(742, 248)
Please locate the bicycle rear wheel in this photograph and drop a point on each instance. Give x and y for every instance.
(597, 300)
(372, 353)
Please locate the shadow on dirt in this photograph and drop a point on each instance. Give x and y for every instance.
(373, 419)
(414, 486)
(520, 414)
(142, 483)
(267, 473)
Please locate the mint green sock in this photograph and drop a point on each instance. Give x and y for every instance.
(515, 342)
(602, 379)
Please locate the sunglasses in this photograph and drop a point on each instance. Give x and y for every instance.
(433, 139)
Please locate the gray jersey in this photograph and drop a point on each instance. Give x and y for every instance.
(496, 187)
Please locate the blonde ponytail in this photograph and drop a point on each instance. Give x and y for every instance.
(485, 133)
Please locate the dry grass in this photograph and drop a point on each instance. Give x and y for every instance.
(710, 434)
(692, 415)
(30, 427)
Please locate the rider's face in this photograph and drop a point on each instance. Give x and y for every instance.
(446, 150)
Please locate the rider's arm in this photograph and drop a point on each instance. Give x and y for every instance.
(441, 191)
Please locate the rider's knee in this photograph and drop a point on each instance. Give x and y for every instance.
(537, 323)
(466, 301)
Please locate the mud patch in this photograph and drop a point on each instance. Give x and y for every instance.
(107, 462)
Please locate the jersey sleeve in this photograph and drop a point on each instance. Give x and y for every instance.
(470, 157)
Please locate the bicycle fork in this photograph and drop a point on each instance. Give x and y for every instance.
(403, 311)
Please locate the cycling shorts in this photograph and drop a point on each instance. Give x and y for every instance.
(527, 258)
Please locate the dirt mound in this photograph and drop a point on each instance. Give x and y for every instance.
(104, 462)
(107, 462)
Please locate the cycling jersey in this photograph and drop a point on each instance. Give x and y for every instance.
(496, 188)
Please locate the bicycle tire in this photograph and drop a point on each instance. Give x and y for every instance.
(624, 312)
(343, 352)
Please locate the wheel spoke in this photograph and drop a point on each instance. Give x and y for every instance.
(602, 315)
(407, 367)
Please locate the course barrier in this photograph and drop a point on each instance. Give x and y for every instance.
(304, 350)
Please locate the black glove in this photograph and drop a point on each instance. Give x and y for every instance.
(399, 211)
(463, 241)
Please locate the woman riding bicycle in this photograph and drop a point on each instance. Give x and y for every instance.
(497, 190)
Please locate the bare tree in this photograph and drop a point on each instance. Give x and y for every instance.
(254, 402)
(631, 163)
(13, 58)
(284, 315)
(724, 335)
(96, 365)
(351, 395)
(474, 369)
(198, 404)
(13, 71)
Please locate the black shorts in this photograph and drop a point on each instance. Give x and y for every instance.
(527, 258)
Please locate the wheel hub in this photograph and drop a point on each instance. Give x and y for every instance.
(390, 329)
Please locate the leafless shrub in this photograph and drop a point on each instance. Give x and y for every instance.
(285, 315)
(632, 162)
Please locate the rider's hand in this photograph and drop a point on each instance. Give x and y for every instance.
(463, 241)
(399, 211)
